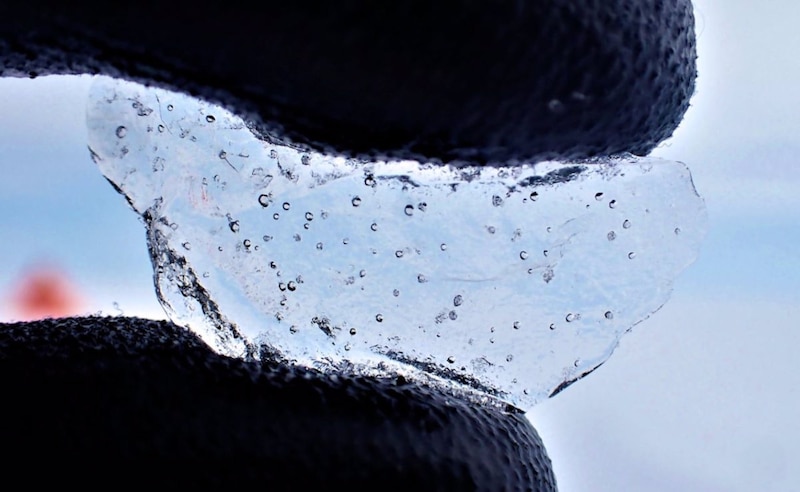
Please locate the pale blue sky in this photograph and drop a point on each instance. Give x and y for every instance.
(702, 396)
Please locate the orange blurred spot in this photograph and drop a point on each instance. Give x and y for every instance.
(45, 292)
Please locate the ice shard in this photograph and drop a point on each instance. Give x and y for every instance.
(508, 283)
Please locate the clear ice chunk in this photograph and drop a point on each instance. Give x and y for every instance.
(506, 282)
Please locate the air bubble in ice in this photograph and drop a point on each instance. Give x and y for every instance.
(356, 201)
(121, 131)
(626, 224)
(457, 300)
(207, 190)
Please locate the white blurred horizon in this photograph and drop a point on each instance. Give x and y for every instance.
(700, 397)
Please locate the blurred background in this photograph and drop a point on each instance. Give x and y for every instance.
(703, 396)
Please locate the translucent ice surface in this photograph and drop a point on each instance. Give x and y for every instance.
(511, 282)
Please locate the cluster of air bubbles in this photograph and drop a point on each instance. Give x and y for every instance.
(516, 265)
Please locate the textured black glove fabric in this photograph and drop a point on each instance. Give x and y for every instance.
(134, 397)
(450, 80)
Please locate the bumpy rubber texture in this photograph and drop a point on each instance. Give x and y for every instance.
(448, 80)
(135, 397)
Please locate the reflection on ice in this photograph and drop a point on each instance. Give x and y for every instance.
(510, 281)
